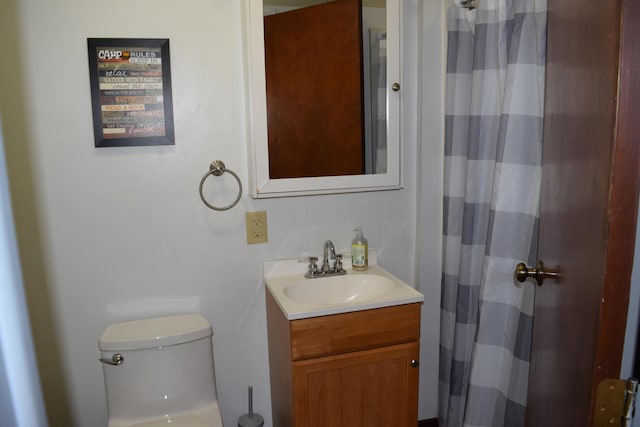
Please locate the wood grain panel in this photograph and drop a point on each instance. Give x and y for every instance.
(623, 205)
(366, 388)
(321, 336)
(360, 373)
(588, 206)
(313, 65)
(279, 364)
(579, 118)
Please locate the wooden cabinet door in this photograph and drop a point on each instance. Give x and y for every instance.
(377, 387)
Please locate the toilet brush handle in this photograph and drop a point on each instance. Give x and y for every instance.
(251, 419)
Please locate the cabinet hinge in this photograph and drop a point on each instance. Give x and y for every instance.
(615, 402)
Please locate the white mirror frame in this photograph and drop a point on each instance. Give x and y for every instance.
(260, 185)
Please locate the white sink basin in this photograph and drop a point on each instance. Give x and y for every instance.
(301, 298)
(339, 289)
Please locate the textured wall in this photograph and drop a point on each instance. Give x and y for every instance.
(120, 233)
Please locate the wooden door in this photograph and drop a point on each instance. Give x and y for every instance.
(588, 207)
(369, 388)
(313, 65)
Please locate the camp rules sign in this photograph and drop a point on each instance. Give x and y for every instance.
(131, 92)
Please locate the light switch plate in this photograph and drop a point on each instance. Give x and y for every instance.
(256, 227)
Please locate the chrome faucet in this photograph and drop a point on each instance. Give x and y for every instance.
(329, 253)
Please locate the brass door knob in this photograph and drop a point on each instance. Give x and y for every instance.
(538, 272)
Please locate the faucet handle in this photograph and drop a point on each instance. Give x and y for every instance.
(338, 266)
(313, 266)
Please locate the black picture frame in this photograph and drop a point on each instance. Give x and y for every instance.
(131, 92)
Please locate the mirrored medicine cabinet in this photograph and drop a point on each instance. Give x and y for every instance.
(343, 134)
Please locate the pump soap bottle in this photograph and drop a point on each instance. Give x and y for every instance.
(359, 251)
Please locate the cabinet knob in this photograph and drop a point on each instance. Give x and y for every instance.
(414, 363)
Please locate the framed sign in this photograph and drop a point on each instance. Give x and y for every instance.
(131, 92)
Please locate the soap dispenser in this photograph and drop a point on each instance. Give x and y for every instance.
(359, 251)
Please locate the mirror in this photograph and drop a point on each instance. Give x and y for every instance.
(379, 158)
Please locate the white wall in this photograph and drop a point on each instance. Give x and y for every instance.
(20, 397)
(429, 176)
(122, 232)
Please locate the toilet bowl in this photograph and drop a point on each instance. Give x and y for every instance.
(160, 372)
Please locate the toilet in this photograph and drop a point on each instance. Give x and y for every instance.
(159, 372)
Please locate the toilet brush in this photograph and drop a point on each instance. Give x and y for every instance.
(251, 419)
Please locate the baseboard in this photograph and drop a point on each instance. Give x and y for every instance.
(432, 422)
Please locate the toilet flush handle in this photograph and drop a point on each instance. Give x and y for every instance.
(116, 360)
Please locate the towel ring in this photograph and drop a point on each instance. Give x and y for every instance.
(217, 168)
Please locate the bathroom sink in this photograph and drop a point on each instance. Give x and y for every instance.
(340, 289)
(300, 298)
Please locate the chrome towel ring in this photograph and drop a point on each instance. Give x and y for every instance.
(217, 168)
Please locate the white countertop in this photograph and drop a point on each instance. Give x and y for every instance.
(282, 273)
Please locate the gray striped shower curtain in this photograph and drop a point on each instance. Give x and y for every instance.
(493, 150)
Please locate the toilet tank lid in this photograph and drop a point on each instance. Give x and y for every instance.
(156, 332)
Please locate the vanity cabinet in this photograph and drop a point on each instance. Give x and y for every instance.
(350, 369)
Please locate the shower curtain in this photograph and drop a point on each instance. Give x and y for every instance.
(493, 145)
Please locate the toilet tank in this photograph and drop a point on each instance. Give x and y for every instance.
(166, 369)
